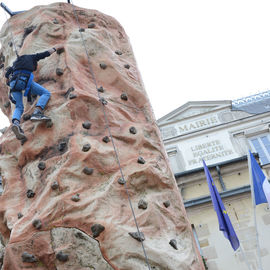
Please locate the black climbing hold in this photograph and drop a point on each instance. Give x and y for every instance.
(127, 66)
(86, 147)
(138, 236)
(41, 165)
(55, 21)
(20, 215)
(62, 146)
(61, 256)
(106, 139)
(30, 193)
(1, 66)
(27, 257)
(103, 65)
(133, 130)
(167, 204)
(124, 96)
(103, 101)
(55, 185)
(97, 229)
(86, 125)
(23, 141)
(173, 243)
(101, 89)
(121, 181)
(60, 50)
(142, 204)
(88, 171)
(26, 117)
(141, 160)
(72, 96)
(81, 30)
(118, 52)
(10, 44)
(7, 104)
(70, 89)
(49, 124)
(75, 198)
(59, 71)
(91, 25)
(37, 224)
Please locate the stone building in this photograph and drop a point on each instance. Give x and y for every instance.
(221, 132)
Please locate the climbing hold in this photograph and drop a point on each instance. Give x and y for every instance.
(41, 165)
(26, 117)
(127, 66)
(37, 224)
(173, 243)
(142, 204)
(81, 30)
(7, 104)
(20, 215)
(61, 256)
(86, 147)
(121, 181)
(91, 25)
(49, 124)
(59, 71)
(133, 130)
(101, 89)
(86, 125)
(118, 52)
(103, 65)
(167, 204)
(27, 257)
(97, 229)
(10, 44)
(54, 185)
(103, 101)
(70, 89)
(72, 96)
(88, 171)
(30, 193)
(124, 96)
(60, 50)
(138, 236)
(62, 146)
(106, 139)
(75, 198)
(55, 21)
(141, 160)
(80, 235)
(1, 66)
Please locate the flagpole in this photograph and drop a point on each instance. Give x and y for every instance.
(244, 256)
(254, 211)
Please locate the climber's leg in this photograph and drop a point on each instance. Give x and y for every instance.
(16, 117)
(45, 95)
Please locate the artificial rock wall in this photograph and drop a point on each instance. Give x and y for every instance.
(63, 205)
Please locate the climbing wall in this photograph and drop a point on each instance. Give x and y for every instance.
(65, 203)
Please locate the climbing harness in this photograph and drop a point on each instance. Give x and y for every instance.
(104, 102)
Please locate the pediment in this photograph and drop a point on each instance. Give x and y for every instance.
(192, 108)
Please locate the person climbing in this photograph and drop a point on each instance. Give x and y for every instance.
(20, 77)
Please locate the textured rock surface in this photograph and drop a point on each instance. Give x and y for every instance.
(62, 148)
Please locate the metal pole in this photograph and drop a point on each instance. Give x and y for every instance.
(6, 9)
(254, 212)
(245, 257)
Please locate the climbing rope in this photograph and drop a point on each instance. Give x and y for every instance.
(12, 37)
(103, 102)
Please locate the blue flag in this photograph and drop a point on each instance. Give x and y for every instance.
(225, 224)
(261, 185)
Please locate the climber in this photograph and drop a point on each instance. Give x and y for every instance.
(19, 77)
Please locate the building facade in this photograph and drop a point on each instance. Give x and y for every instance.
(221, 132)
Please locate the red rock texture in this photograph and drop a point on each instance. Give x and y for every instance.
(66, 223)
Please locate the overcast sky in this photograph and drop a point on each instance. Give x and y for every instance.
(190, 50)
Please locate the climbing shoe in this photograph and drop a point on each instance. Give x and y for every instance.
(39, 116)
(18, 131)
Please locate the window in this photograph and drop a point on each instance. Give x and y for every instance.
(175, 159)
(261, 145)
